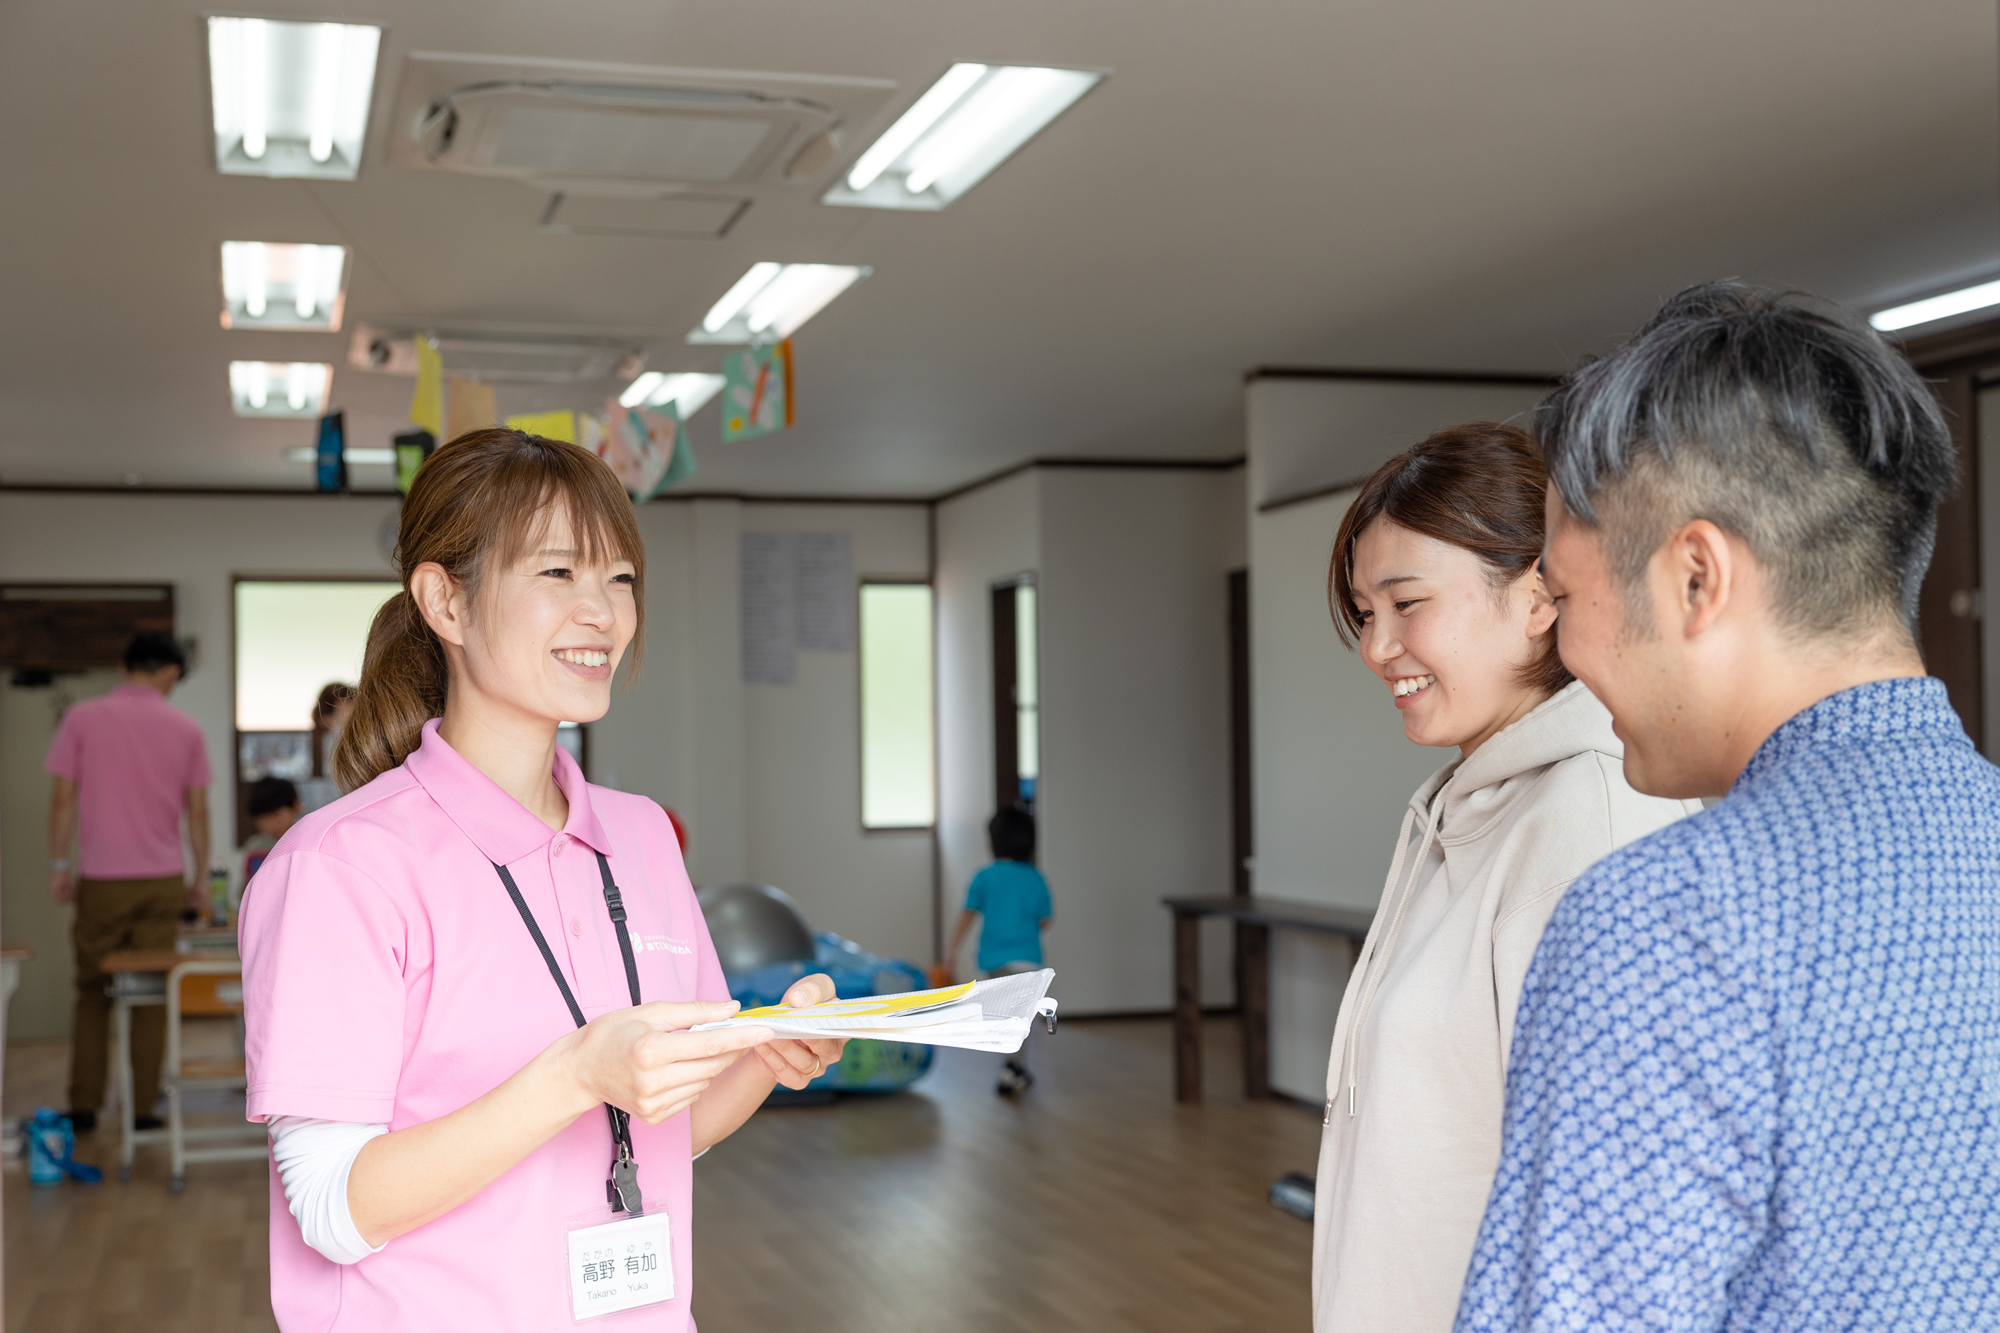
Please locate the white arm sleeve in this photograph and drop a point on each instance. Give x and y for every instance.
(314, 1158)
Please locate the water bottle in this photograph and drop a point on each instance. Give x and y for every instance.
(218, 896)
(51, 1140)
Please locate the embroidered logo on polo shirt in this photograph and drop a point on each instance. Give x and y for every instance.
(665, 944)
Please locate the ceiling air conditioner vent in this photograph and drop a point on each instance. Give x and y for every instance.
(622, 130)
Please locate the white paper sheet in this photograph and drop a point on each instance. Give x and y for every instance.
(990, 1015)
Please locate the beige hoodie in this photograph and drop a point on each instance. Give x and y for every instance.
(1417, 1077)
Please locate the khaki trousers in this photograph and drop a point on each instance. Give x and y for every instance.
(114, 914)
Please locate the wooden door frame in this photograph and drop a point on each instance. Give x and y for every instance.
(1958, 363)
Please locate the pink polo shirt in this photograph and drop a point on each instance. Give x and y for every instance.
(389, 979)
(134, 758)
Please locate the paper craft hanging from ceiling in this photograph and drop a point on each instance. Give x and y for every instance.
(757, 391)
(469, 406)
(647, 451)
(427, 405)
(548, 425)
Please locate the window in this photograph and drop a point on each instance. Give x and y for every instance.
(898, 753)
(293, 638)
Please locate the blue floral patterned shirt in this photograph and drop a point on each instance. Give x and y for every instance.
(1755, 1081)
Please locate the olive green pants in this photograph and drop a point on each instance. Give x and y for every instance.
(115, 914)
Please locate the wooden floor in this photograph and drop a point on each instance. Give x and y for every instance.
(1092, 1202)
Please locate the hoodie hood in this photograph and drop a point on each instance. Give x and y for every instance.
(1568, 723)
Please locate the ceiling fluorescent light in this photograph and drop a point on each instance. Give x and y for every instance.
(968, 123)
(278, 388)
(640, 391)
(1961, 302)
(910, 126)
(687, 390)
(275, 285)
(310, 455)
(290, 99)
(732, 302)
(772, 301)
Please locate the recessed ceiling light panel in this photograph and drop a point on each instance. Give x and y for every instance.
(687, 390)
(279, 388)
(290, 99)
(273, 285)
(771, 302)
(965, 125)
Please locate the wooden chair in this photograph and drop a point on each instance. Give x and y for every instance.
(180, 1075)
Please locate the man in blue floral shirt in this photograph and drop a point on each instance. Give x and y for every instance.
(1755, 1081)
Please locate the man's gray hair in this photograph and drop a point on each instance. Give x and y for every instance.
(1785, 421)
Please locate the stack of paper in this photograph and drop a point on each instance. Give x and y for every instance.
(991, 1015)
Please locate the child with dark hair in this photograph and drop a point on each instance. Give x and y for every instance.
(273, 806)
(1011, 900)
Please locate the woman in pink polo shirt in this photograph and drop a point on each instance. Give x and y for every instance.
(467, 980)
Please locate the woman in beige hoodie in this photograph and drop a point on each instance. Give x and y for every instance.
(1434, 579)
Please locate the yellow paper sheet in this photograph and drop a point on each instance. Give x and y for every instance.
(427, 406)
(872, 1007)
(552, 425)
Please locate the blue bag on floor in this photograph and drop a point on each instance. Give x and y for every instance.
(52, 1150)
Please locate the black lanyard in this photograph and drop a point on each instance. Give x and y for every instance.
(622, 1190)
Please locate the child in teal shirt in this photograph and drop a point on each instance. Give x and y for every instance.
(1011, 898)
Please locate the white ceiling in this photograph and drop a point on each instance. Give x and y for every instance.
(1445, 185)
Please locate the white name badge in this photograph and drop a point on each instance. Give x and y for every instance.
(620, 1266)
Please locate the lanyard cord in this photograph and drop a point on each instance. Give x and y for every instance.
(622, 1189)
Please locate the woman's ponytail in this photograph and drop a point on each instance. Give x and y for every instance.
(404, 678)
(479, 500)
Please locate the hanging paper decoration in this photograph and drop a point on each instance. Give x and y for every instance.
(670, 439)
(471, 407)
(330, 455)
(549, 425)
(427, 406)
(757, 391)
(412, 448)
(647, 451)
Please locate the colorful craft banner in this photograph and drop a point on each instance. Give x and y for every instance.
(757, 391)
(647, 451)
(550, 425)
(427, 406)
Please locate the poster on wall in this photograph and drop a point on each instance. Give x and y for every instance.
(757, 391)
(798, 592)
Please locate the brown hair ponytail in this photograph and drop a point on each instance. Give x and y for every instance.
(482, 498)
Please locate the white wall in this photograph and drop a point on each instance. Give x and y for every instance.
(1133, 801)
(767, 777)
(1333, 771)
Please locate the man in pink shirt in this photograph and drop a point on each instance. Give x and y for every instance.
(126, 766)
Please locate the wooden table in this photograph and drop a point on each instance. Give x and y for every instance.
(1254, 918)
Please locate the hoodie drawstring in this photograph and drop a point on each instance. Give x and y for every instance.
(1371, 974)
